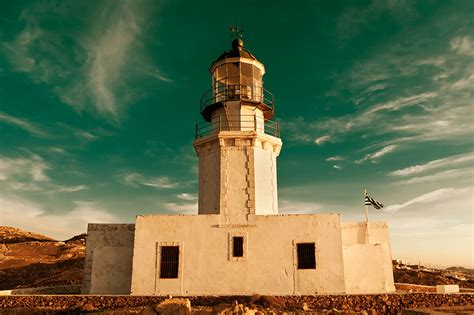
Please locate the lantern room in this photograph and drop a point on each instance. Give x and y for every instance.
(237, 98)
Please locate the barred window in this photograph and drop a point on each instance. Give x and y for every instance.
(238, 246)
(169, 262)
(306, 255)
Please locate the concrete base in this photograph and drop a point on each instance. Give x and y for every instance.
(445, 288)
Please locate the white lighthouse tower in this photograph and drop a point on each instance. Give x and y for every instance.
(237, 144)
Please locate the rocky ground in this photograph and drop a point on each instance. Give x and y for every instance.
(33, 260)
(341, 304)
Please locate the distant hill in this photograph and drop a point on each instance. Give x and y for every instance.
(30, 260)
(463, 270)
(10, 235)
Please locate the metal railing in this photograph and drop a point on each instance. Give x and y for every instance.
(235, 92)
(237, 123)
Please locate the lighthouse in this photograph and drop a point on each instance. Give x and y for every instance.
(237, 143)
(237, 243)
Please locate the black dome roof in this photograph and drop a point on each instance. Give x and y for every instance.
(237, 51)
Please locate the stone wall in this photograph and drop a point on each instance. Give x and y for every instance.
(108, 262)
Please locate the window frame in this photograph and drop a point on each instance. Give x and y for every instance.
(172, 265)
(244, 237)
(238, 251)
(316, 255)
(159, 245)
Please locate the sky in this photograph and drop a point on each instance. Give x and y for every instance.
(99, 100)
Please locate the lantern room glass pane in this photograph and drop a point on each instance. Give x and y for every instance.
(233, 73)
(220, 73)
(257, 74)
(246, 70)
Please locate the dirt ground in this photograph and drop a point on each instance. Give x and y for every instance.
(346, 304)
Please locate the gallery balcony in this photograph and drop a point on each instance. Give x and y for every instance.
(248, 95)
(237, 123)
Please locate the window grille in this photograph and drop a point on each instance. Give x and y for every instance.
(238, 246)
(169, 262)
(306, 256)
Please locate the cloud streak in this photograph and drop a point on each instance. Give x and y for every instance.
(435, 164)
(443, 194)
(321, 140)
(378, 154)
(23, 124)
(137, 180)
(107, 52)
(30, 169)
(60, 226)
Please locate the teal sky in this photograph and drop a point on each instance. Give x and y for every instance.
(98, 101)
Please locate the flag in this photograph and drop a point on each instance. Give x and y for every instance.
(369, 201)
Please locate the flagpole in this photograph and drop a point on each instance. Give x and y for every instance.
(366, 218)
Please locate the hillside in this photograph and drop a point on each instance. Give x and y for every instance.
(34, 260)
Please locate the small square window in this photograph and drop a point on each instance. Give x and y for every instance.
(169, 262)
(237, 246)
(306, 255)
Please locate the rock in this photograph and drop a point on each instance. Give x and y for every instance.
(174, 306)
(305, 307)
(88, 307)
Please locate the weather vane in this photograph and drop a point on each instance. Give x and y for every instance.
(236, 31)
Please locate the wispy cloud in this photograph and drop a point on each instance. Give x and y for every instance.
(335, 158)
(452, 161)
(137, 180)
(430, 98)
(59, 225)
(322, 140)
(23, 124)
(73, 188)
(355, 17)
(32, 168)
(337, 167)
(105, 51)
(459, 175)
(31, 174)
(183, 208)
(463, 45)
(443, 194)
(187, 197)
(378, 154)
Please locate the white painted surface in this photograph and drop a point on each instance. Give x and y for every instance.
(108, 263)
(266, 194)
(237, 174)
(367, 266)
(269, 266)
(447, 288)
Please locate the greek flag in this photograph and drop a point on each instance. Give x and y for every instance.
(369, 201)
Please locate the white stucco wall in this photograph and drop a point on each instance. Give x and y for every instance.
(269, 262)
(209, 181)
(355, 232)
(108, 262)
(266, 194)
(367, 266)
(237, 174)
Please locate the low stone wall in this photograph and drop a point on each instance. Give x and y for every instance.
(60, 289)
(415, 288)
(383, 303)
